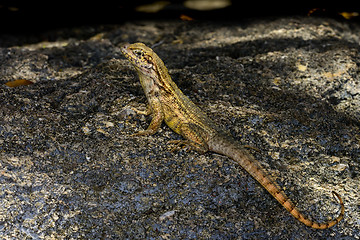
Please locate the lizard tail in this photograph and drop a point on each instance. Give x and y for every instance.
(227, 147)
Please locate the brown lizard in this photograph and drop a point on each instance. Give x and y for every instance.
(167, 103)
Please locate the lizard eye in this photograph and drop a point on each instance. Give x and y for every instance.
(143, 59)
(139, 53)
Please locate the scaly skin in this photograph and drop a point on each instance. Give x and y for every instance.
(167, 103)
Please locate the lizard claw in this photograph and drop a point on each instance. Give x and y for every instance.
(179, 144)
(252, 147)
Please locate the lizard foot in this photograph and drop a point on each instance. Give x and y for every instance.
(179, 144)
(143, 133)
(188, 145)
(141, 112)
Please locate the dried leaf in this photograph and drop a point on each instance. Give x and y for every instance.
(18, 82)
(349, 15)
(186, 17)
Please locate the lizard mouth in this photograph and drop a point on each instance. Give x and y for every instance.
(126, 52)
(129, 54)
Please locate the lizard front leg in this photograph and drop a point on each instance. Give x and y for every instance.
(157, 118)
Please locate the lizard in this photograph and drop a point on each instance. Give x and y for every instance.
(167, 103)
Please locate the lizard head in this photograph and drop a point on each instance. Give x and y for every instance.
(142, 57)
(151, 69)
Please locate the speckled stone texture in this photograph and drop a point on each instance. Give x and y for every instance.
(288, 87)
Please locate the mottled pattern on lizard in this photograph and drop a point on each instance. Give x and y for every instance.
(167, 103)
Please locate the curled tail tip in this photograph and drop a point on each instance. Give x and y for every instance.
(336, 220)
(335, 194)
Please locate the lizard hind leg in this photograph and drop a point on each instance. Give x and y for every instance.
(194, 138)
(179, 144)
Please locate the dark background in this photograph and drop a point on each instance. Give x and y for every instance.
(31, 17)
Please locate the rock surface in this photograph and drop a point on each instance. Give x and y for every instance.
(289, 87)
